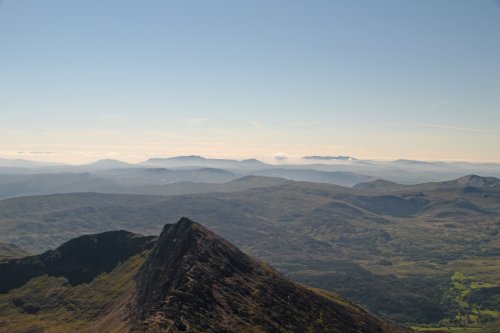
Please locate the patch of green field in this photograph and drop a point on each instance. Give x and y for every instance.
(450, 329)
(492, 313)
(466, 312)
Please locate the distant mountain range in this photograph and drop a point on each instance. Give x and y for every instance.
(340, 169)
(401, 171)
(198, 161)
(106, 164)
(329, 158)
(186, 280)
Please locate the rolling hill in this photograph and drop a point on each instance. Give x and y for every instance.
(465, 183)
(155, 181)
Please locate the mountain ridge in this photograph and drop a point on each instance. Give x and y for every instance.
(186, 280)
(195, 160)
(188, 257)
(464, 182)
(329, 158)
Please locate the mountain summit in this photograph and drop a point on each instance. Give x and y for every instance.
(195, 281)
(199, 161)
(190, 280)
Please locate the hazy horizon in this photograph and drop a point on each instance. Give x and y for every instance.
(276, 159)
(87, 80)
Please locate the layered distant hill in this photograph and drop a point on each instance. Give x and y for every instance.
(329, 158)
(161, 176)
(198, 161)
(132, 181)
(339, 170)
(466, 183)
(187, 280)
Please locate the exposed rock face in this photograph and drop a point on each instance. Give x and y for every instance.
(195, 281)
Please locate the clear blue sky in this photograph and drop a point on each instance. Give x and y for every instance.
(84, 80)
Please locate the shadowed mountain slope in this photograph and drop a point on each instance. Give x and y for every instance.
(79, 260)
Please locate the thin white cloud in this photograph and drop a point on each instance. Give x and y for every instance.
(113, 117)
(323, 122)
(439, 104)
(256, 124)
(22, 152)
(455, 128)
(280, 156)
(305, 123)
(195, 121)
(40, 152)
(290, 125)
(211, 143)
(164, 134)
(430, 125)
(14, 132)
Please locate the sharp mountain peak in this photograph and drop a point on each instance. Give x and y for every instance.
(186, 280)
(196, 281)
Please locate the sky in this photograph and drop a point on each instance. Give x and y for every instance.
(85, 80)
